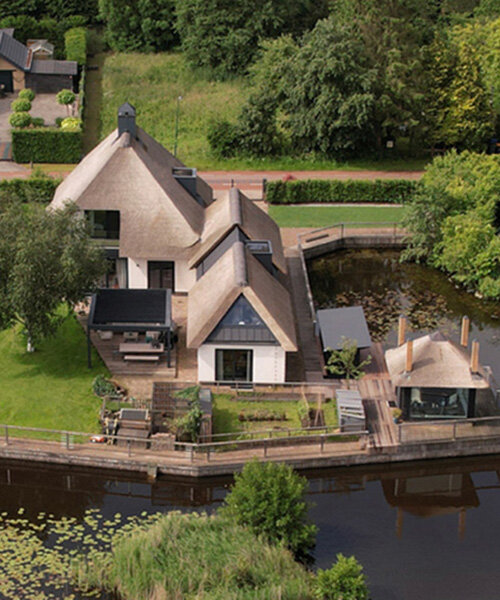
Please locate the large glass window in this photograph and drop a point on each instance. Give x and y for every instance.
(104, 224)
(116, 276)
(241, 313)
(438, 403)
(233, 365)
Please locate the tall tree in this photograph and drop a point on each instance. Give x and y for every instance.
(46, 259)
(225, 36)
(142, 26)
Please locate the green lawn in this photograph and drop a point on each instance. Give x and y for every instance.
(226, 411)
(153, 82)
(50, 388)
(322, 216)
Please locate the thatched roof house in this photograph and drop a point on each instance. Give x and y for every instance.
(238, 273)
(134, 174)
(236, 210)
(436, 362)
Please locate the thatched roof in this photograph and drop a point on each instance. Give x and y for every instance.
(437, 362)
(158, 217)
(238, 272)
(235, 209)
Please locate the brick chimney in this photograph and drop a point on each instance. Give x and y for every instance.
(126, 120)
(464, 335)
(401, 330)
(409, 356)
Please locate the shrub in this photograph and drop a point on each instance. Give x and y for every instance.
(75, 44)
(393, 191)
(66, 97)
(27, 94)
(269, 498)
(343, 581)
(47, 145)
(188, 427)
(37, 122)
(59, 120)
(21, 105)
(71, 124)
(103, 387)
(223, 138)
(20, 119)
(39, 188)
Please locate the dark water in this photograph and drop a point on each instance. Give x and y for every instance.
(386, 288)
(421, 530)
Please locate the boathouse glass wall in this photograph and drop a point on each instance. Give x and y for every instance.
(421, 404)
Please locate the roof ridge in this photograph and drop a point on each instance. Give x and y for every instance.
(240, 266)
(235, 206)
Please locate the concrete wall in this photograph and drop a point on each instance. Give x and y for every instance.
(17, 74)
(268, 362)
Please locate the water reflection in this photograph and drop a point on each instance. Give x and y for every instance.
(425, 529)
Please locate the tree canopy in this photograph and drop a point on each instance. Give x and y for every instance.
(46, 259)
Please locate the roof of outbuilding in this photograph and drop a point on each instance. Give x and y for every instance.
(158, 217)
(235, 209)
(437, 363)
(54, 67)
(347, 322)
(14, 52)
(237, 272)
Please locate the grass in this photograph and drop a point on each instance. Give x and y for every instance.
(321, 216)
(50, 388)
(226, 411)
(153, 83)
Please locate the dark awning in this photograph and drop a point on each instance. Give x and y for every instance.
(347, 322)
(131, 310)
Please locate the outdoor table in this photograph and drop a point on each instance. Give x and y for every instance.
(140, 348)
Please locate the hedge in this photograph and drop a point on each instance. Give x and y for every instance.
(75, 45)
(34, 189)
(391, 191)
(47, 145)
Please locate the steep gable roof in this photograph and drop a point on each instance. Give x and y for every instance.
(237, 273)
(235, 209)
(158, 217)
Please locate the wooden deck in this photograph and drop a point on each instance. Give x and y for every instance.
(109, 351)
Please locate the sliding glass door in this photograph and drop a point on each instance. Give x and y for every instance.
(233, 365)
(161, 274)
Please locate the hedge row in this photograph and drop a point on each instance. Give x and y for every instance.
(392, 191)
(75, 45)
(34, 189)
(46, 145)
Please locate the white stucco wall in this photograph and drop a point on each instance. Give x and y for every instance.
(185, 277)
(268, 362)
(137, 273)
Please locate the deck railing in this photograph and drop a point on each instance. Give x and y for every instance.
(33, 439)
(350, 229)
(449, 431)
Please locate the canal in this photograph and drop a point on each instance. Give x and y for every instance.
(421, 530)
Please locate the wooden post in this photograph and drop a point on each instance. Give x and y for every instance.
(474, 359)
(409, 356)
(128, 448)
(401, 330)
(464, 336)
(6, 435)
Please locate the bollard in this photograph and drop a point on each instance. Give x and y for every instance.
(6, 435)
(265, 449)
(67, 441)
(191, 455)
(322, 444)
(208, 454)
(129, 450)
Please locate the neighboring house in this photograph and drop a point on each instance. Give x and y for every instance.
(436, 379)
(41, 49)
(20, 68)
(161, 228)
